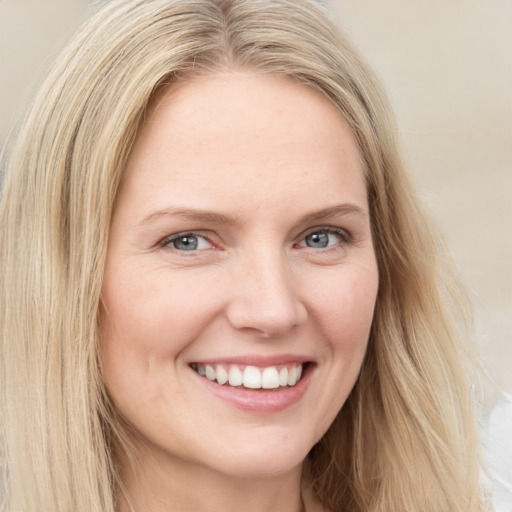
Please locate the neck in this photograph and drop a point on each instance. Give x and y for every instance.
(174, 485)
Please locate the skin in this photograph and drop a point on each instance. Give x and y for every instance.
(275, 162)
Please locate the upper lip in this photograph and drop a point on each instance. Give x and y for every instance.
(256, 360)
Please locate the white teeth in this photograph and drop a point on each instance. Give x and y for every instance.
(292, 376)
(222, 375)
(270, 378)
(235, 376)
(251, 377)
(283, 377)
(211, 374)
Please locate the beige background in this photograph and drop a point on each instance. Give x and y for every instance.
(447, 66)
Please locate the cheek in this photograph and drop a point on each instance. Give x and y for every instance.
(341, 306)
(150, 319)
(146, 324)
(346, 306)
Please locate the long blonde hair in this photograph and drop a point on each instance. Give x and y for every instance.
(405, 439)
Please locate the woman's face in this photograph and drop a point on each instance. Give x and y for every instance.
(240, 258)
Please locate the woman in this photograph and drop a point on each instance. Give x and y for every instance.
(219, 289)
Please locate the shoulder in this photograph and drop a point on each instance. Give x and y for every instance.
(497, 444)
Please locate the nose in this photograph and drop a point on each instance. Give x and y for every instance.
(264, 299)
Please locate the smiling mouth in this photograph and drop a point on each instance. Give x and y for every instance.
(252, 377)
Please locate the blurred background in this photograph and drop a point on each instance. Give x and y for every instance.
(446, 65)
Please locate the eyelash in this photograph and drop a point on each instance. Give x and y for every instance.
(167, 241)
(344, 236)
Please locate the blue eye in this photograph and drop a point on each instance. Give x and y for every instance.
(323, 238)
(187, 242)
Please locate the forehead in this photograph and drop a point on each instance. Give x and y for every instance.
(233, 134)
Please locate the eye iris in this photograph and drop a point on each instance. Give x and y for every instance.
(186, 243)
(317, 240)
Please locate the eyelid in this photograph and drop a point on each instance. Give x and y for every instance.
(346, 236)
(165, 242)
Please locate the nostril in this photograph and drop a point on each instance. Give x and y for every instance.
(263, 296)
(266, 319)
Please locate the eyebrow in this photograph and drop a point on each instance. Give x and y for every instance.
(205, 216)
(340, 209)
(215, 218)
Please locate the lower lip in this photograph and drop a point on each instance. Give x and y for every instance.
(261, 401)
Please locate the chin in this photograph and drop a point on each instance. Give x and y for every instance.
(265, 460)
